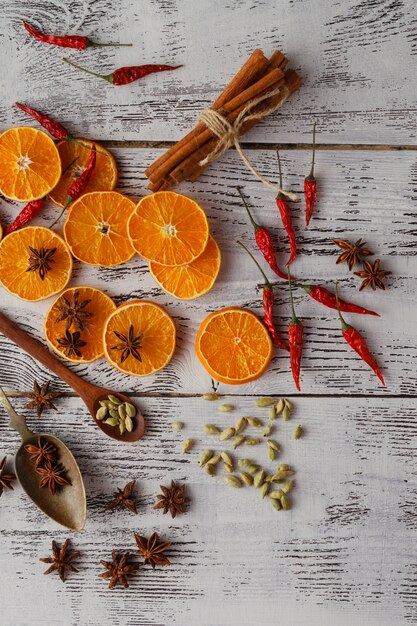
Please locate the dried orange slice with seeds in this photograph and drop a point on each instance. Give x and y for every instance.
(82, 310)
(30, 166)
(139, 338)
(104, 176)
(35, 263)
(96, 228)
(193, 280)
(234, 346)
(169, 228)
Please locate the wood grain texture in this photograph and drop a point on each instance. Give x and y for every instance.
(355, 57)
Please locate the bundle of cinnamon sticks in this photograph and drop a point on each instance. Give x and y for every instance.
(258, 76)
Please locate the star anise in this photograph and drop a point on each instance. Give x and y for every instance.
(71, 343)
(372, 275)
(42, 398)
(353, 252)
(52, 475)
(122, 498)
(152, 550)
(118, 569)
(5, 479)
(172, 499)
(44, 452)
(61, 559)
(73, 311)
(40, 260)
(129, 345)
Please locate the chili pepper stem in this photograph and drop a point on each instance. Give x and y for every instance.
(311, 174)
(114, 45)
(267, 283)
(254, 224)
(345, 326)
(294, 318)
(108, 77)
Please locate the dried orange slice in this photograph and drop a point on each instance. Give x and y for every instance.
(96, 228)
(168, 228)
(82, 310)
(35, 263)
(193, 280)
(30, 166)
(104, 176)
(234, 346)
(139, 338)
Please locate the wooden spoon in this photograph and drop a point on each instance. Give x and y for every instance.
(67, 505)
(90, 394)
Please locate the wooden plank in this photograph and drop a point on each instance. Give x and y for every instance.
(362, 194)
(345, 550)
(355, 59)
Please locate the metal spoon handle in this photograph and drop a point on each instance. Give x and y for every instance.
(40, 353)
(18, 422)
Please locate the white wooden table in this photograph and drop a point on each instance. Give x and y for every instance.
(346, 552)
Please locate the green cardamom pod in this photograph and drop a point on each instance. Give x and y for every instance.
(187, 445)
(259, 478)
(211, 396)
(122, 411)
(210, 469)
(254, 421)
(285, 502)
(237, 441)
(244, 462)
(104, 403)
(281, 475)
(283, 466)
(267, 430)
(272, 455)
(268, 478)
(271, 414)
(298, 432)
(130, 409)
(122, 427)
(247, 478)
(225, 408)
(112, 421)
(129, 423)
(114, 399)
(276, 504)
(226, 457)
(279, 407)
(287, 487)
(276, 495)
(101, 413)
(273, 444)
(177, 425)
(264, 402)
(228, 467)
(288, 404)
(252, 441)
(264, 490)
(114, 413)
(205, 456)
(240, 425)
(211, 429)
(252, 469)
(214, 460)
(232, 481)
(286, 414)
(227, 433)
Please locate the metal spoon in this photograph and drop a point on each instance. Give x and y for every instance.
(90, 394)
(67, 505)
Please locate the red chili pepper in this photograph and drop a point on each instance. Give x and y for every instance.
(296, 340)
(310, 183)
(326, 297)
(285, 213)
(264, 241)
(267, 303)
(31, 210)
(67, 41)
(358, 343)
(126, 75)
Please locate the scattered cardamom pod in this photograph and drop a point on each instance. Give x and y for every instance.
(229, 468)
(276, 504)
(214, 460)
(271, 414)
(114, 399)
(273, 444)
(264, 490)
(244, 462)
(210, 469)
(253, 468)
(277, 494)
(284, 466)
(268, 478)
(254, 421)
(298, 432)
(225, 408)
(288, 404)
(264, 402)
(247, 478)
(267, 430)
(281, 475)
(130, 409)
(211, 429)
(187, 445)
(272, 454)
(101, 413)
(286, 487)
(227, 433)
(237, 441)
(211, 396)
(286, 414)
(232, 481)
(240, 425)
(279, 407)
(129, 423)
(285, 502)
(122, 411)
(226, 457)
(259, 478)
(252, 441)
(205, 456)
(177, 425)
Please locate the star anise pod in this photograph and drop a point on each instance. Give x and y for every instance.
(353, 252)
(372, 275)
(152, 550)
(42, 398)
(73, 311)
(52, 475)
(5, 479)
(40, 260)
(129, 344)
(172, 499)
(122, 498)
(71, 343)
(44, 452)
(61, 559)
(118, 569)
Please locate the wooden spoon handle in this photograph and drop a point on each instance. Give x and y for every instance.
(40, 353)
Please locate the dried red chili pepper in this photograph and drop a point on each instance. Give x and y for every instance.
(267, 303)
(67, 41)
(326, 297)
(264, 241)
(310, 183)
(31, 210)
(126, 75)
(285, 213)
(358, 343)
(296, 340)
